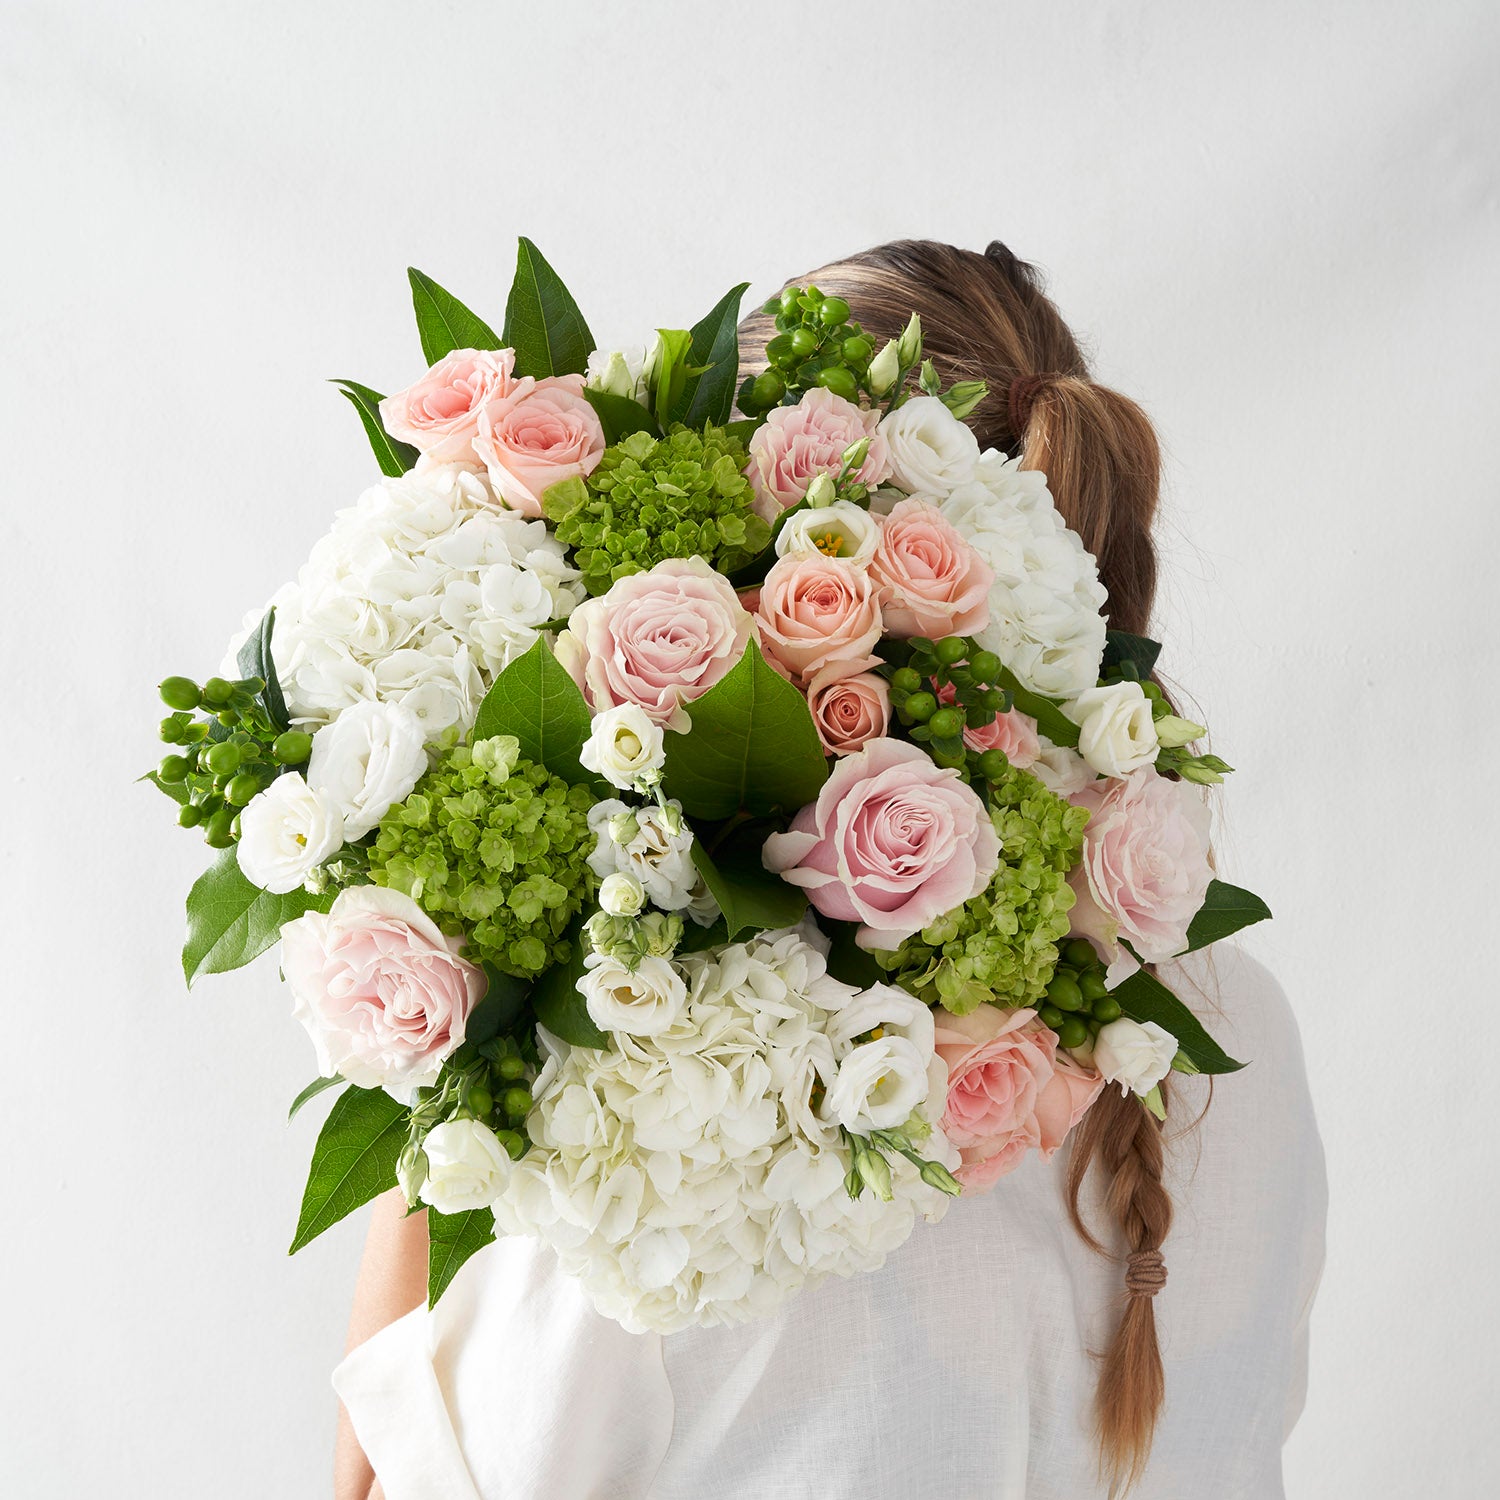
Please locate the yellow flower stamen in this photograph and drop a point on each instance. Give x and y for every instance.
(830, 544)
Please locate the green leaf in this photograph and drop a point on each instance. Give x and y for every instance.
(535, 700)
(1226, 909)
(451, 1240)
(750, 896)
(847, 961)
(620, 416)
(557, 1003)
(230, 921)
(394, 458)
(1143, 997)
(255, 660)
(542, 321)
(752, 746)
(1121, 646)
(671, 372)
(1050, 718)
(316, 1087)
(709, 397)
(498, 1007)
(354, 1160)
(178, 791)
(443, 322)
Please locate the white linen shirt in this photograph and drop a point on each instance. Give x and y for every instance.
(961, 1370)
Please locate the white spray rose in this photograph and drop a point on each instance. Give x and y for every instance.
(467, 1167)
(1116, 734)
(842, 530)
(1137, 1055)
(626, 747)
(620, 372)
(644, 1001)
(622, 895)
(878, 1085)
(286, 832)
(369, 758)
(932, 452)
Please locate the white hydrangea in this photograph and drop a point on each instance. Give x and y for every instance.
(689, 1178)
(420, 594)
(1046, 623)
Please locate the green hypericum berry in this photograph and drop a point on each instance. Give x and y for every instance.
(906, 679)
(515, 1145)
(291, 748)
(1064, 993)
(857, 349)
(1073, 1032)
(1106, 1010)
(951, 650)
(223, 759)
(1080, 953)
(985, 666)
(945, 724)
(511, 1068)
(804, 342)
(768, 389)
(217, 692)
(921, 706)
(242, 788)
(173, 769)
(834, 311)
(789, 300)
(1050, 1016)
(1093, 986)
(179, 692)
(481, 1101)
(218, 830)
(173, 730)
(993, 764)
(840, 381)
(516, 1103)
(779, 352)
(189, 815)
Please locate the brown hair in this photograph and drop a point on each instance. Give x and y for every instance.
(986, 317)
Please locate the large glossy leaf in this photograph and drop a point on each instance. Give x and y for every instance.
(1143, 997)
(750, 896)
(230, 921)
(443, 322)
(1121, 646)
(1050, 718)
(535, 700)
(1226, 909)
(557, 1003)
(311, 1092)
(451, 1240)
(255, 660)
(709, 397)
(353, 1162)
(394, 458)
(752, 746)
(619, 416)
(542, 321)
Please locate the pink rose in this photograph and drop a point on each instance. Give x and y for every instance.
(797, 443)
(1066, 1100)
(1014, 733)
(659, 639)
(850, 704)
(536, 437)
(892, 842)
(812, 611)
(383, 993)
(1144, 870)
(439, 415)
(932, 582)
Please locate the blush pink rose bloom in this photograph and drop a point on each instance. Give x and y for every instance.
(851, 705)
(658, 639)
(1009, 1090)
(381, 991)
(439, 414)
(813, 610)
(1144, 871)
(1014, 732)
(932, 582)
(797, 443)
(538, 436)
(892, 842)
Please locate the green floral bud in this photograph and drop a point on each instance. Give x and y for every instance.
(1172, 732)
(909, 346)
(821, 492)
(623, 827)
(855, 454)
(963, 396)
(936, 1175)
(884, 371)
(874, 1171)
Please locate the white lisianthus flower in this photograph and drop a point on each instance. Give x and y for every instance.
(842, 530)
(878, 1085)
(932, 452)
(622, 895)
(652, 843)
(1135, 1054)
(644, 1001)
(620, 372)
(467, 1167)
(626, 747)
(1061, 770)
(286, 832)
(1116, 734)
(368, 759)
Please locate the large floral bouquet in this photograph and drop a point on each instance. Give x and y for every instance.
(703, 843)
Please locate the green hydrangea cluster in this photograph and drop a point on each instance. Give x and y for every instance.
(493, 848)
(682, 495)
(1002, 945)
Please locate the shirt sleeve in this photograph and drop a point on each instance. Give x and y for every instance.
(463, 1402)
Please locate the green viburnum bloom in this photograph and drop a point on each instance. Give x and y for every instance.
(494, 849)
(682, 495)
(1002, 945)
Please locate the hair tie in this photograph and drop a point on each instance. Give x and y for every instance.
(1145, 1273)
(1020, 398)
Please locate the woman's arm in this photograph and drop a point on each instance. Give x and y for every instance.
(392, 1281)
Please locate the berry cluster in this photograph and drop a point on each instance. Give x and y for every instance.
(948, 686)
(1077, 1001)
(815, 345)
(226, 757)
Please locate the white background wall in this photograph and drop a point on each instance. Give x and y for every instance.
(1277, 225)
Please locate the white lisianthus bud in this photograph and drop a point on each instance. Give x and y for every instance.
(467, 1167)
(842, 530)
(622, 895)
(626, 747)
(1135, 1054)
(884, 368)
(286, 832)
(1172, 733)
(821, 491)
(878, 1085)
(1116, 734)
(618, 372)
(854, 456)
(644, 1001)
(909, 345)
(367, 760)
